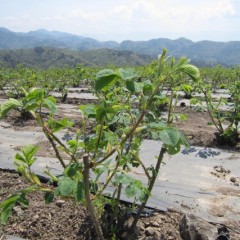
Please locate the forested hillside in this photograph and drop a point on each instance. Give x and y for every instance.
(43, 57)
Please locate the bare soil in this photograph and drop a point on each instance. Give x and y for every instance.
(65, 219)
(198, 130)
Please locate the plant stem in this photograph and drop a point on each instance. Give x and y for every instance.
(109, 178)
(46, 132)
(209, 103)
(90, 207)
(150, 187)
(119, 189)
(98, 141)
(170, 107)
(55, 148)
(62, 145)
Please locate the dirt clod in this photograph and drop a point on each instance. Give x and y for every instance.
(233, 179)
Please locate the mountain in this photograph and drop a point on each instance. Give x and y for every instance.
(44, 57)
(202, 53)
(44, 38)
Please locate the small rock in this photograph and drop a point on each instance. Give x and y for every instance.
(185, 206)
(154, 224)
(163, 218)
(150, 231)
(159, 221)
(35, 217)
(220, 214)
(147, 224)
(59, 203)
(193, 227)
(18, 210)
(141, 226)
(236, 184)
(233, 179)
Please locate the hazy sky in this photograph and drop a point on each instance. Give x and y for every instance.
(217, 20)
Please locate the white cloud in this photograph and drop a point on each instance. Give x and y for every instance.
(121, 12)
(166, 15)
(197, 9)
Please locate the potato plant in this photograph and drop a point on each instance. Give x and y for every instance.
(125, 113)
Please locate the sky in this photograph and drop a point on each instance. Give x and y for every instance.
(118, 20)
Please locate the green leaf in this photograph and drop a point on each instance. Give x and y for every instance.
(36, 179)
(10, 104)
(20, 158)
(31, 105)
(161, 60)
(114, 108)
(93, 187)
(134, 87)
(110, 137)
(183, 116)
(12, 199)
(194, 101)
(186, 88)
(147, 88)
(48, 196)
(23, 200)
(131, 190)
(47, 103)
(52, 99)
(127, 74)
(100, 113)
(171, 150)
(72, 143)
(157, 126)
(79, 195)
(105, 79)
(89, 110)
(36, 93)
(122, 178)
(71, 170)
(103, 168)
(90, 143)
(56, 126)
(7, 207)
(184, 141)
(29, 151)
(27, 154)
(192, 71)
(66, 186)
(6, 213)
(169, 136)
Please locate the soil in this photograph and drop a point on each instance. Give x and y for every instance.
(64, 219)
(198, 130)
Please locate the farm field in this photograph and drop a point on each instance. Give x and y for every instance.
(200, 179)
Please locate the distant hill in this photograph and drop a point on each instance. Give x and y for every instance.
(44, 38)
(201, 53)
(43, 57)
